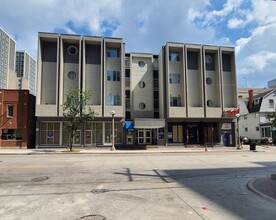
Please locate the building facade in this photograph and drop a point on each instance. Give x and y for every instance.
(7, 59)
(178, 97)
(17, 122)
(17, 68)
(254, 115)
(26, 71)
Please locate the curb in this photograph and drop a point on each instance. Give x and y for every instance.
(251, 187)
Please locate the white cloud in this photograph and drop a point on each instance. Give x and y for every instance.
(257, 62)
(147, 25)
(235, 22)
(29, 17)
(256, 54)
(217, 16)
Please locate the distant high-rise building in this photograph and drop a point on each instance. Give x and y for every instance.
(7, 58)
(26, 69)
(17, 68)
(272, 83)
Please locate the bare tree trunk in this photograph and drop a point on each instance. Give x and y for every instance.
(71, 141)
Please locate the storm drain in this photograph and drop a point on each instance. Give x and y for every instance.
(40, 179)
(92, 217)
(97, 191)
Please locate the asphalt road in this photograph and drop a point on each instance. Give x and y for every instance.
(142, 186)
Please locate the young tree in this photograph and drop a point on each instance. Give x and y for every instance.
(272, 118)
(76, 111)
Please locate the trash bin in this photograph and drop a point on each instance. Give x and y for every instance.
(252, 146)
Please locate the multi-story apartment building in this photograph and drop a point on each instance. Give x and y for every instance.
(200, 87)
(26, 71)
(179, 96)
(7, 59)
(17, 68)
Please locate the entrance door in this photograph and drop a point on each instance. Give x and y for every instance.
(144, 136)
(76, 140)
(193, 135)
(88, 137)
(177, 134)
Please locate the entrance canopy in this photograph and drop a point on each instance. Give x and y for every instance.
(149, 123)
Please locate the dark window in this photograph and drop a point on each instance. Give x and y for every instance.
(128, 115)
(11, 134)
(156, 114)
(156, 94)
(113, 75)
(113, 52)
(127, 73)
(175, 101)
(113, 99)
(226, 62)
(127, 94)
(174, 78)
(174, 56)
(210, 61)
(10, 111)
(192, 59)
(155, 74)
(156, 103)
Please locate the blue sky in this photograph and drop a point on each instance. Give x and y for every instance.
(146, 25)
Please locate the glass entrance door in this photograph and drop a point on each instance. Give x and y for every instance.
(144, 136)
(193, 135)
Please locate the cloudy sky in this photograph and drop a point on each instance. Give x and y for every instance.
(146, 25)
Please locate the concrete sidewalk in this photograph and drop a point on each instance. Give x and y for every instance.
(150, 149)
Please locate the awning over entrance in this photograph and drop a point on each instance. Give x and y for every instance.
(148, 123)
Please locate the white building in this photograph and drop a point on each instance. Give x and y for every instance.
(254, 121)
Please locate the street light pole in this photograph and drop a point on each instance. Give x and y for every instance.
(113, 142)
(238, 131)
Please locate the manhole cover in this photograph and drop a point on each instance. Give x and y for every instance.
(92, 217)
(99, 190)
(39, 179)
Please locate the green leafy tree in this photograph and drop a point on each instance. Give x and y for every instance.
(76, 111)
(272, 118)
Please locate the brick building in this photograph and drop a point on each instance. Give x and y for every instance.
(17, 119)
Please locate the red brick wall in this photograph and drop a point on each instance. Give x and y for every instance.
(23, 116)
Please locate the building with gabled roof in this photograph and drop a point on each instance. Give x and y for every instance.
(254, 122)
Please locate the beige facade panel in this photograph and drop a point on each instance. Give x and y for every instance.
(161, 82)
(228, 72)
(212, 74)
(141, 85)
(92, 71)
(113, 77)
(70, 66)
(175, 80)
(43, 110)
(149, 123)
(47, 66)
(194, 76)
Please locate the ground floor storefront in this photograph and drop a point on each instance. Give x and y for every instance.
(53, 132)
(201, 133)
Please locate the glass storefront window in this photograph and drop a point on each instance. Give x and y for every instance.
(49, 133)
